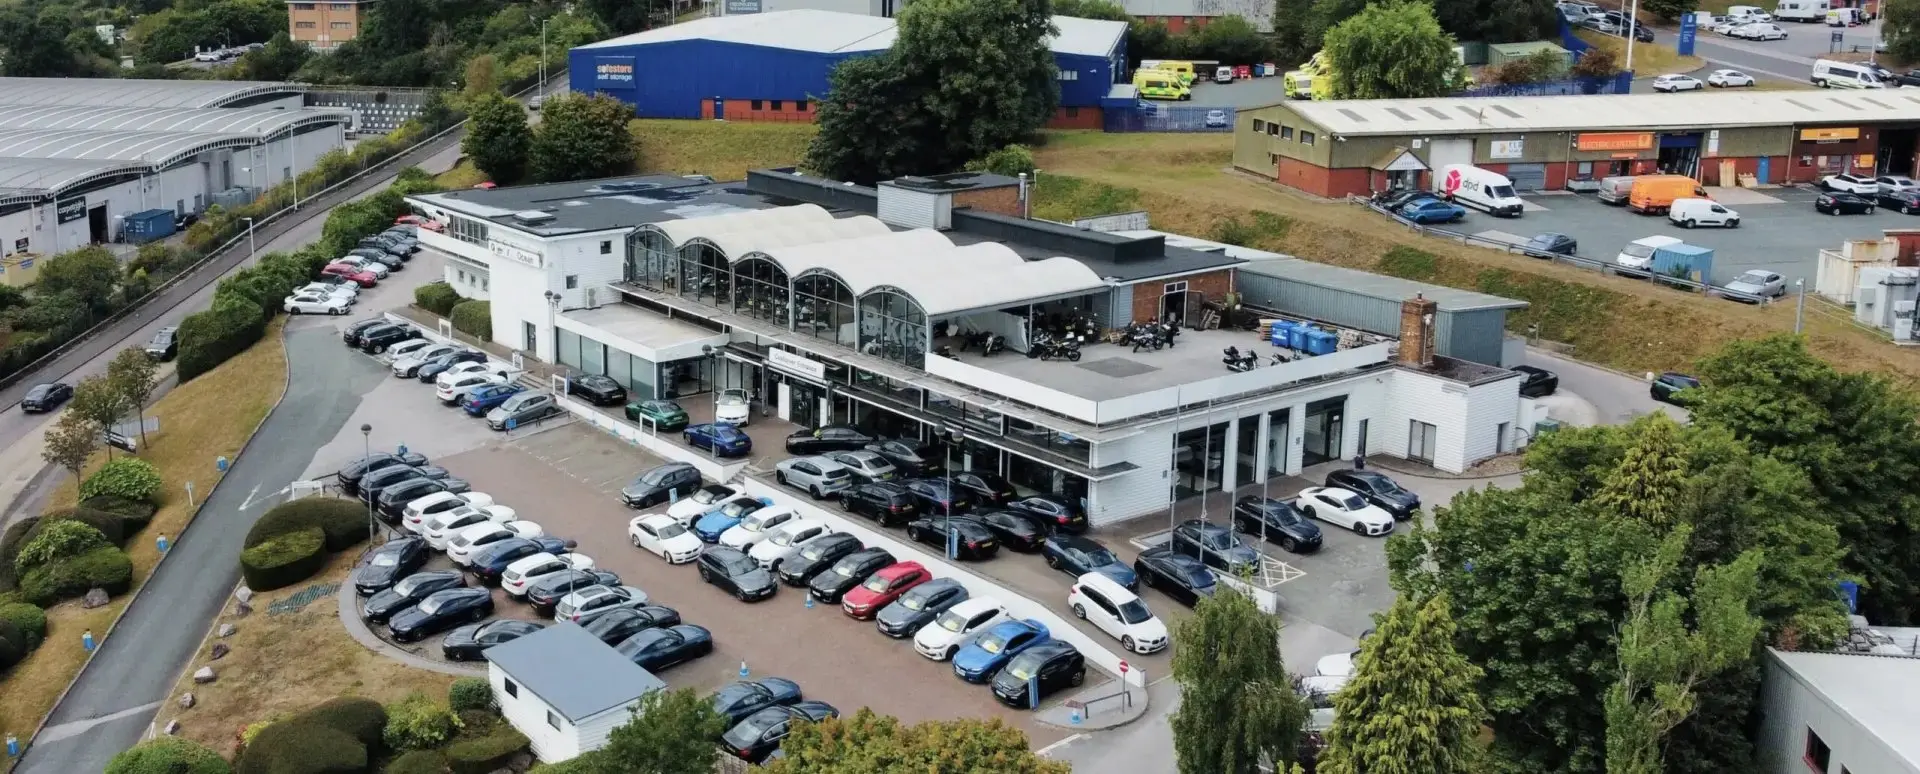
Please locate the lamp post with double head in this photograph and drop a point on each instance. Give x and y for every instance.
(553, 334)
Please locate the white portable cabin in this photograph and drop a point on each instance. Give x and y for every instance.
(565, 689)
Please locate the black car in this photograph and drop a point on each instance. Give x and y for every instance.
(735, 573)
(658, 485)
(377, 481)
(1277, 521)
(932, 495)
(1183, 578)
(598, 390)
(388, 564)
(440, 611)
(735, 701)
(1836, 203)
(836, 581)
(354, 471)
(408, 592)
(985, 488)
(814, 558)
(383, 257)
(1049, 666)
(392, 502)
(1215, 546)
(829, 438)
(1906, 200)
(45, 397)
(1016, 532)
(544, 594)
(1056, 513)
(1393, 201)
(970, 539)
(1671, 387)
(886, 502)
(491, 561)
(466, 642)
(910, 457)
(919, 606)
(1077, 556)
(1537, 382)
(377, 340)
(1909, 78)
(432, 369)
(351, 336)
(615, 626)
(1378, 488)
(755, 738)
(1642, 33)
(1552, 244)
(165, 344)
(664, 646)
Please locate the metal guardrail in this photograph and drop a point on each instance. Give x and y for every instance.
(1592, 264)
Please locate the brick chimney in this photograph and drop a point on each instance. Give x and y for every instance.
(1416, 331)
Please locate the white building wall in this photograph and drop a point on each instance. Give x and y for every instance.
(591, 734)
(579, 256)
(1790, 708)
(1435, 401)
(529, 714)
(1138, 493)
(470, 280)
(1489, 406)
(519, 297)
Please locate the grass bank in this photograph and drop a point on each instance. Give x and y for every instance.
(463, 175)
(1649, 59)
(208, 417)
(722, 150)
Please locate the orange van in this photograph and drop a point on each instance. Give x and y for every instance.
(1654, 194)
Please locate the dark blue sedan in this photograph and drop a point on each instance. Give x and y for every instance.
(1077, 556)
(722, 439)
(661, 647)
(481, 400)
(1433, 211)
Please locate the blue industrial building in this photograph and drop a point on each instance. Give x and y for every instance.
(773, 66)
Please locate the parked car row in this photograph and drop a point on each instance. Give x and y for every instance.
(462, 377)
(761, 713)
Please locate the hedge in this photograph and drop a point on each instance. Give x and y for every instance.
(59, 539)
(13, 644)
(284, 560)
(436, 297)
(168, 755)
(103, 568)
(361, 718)
(302, 748)
(134, 514)
(110, 525)
(419, 762)
(10, 543)
(468, 694)
(129, 477)
(485, 754)
(210, 338)
(474, 318)
(343, 521)
(30, 620)
(419, 723)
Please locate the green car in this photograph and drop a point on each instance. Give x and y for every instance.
(664, 415)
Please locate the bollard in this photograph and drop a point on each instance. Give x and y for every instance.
(743, 670)
(1074, 715)
(809, 601)
(13, 746)
(161, 542)
(403, 450)
(220, 464)
(86, 640)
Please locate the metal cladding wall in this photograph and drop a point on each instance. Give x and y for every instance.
(1092, 76)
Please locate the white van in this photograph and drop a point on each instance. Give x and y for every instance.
(1223, 74)
(1471, 186)
(1690, 212)
(1829, 74)
(1751, 13)
(1638, 254)
(1845, 17)
(1803, 11)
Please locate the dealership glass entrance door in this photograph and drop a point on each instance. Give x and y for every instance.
(1326, 423)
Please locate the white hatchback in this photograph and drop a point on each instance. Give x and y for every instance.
(957, 627)
(527, 570)
(418, 510)
(1728, 79)
(1676, 83)
(464, 368)
(756, 527)
(454, 390)
(316, 303)
(1111, 608)
(469, 541)
(440, 528)
(666, 538)
(785, 540)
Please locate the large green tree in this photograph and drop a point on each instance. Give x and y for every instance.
(1411, 706)
(498, 139)
(582, 137)
(1394, 50)
(89, 273)
(1231, 40)
(1295, 34)
(277, 61)
(35, 44)
(1237, 706)
(870, 743)
(1901, 28)
(671, 732)
(867, 131)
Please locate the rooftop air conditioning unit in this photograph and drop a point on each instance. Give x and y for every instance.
(533, 216)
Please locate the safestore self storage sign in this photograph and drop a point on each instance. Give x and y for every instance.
(613, 71)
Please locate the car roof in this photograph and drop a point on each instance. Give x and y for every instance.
(1107, 587)
(975, 605)
(1075, 541)
(900, 568)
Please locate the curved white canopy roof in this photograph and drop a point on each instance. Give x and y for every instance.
(799, 215)
(738, 244)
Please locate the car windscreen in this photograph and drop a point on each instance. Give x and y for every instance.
(406, 586)
(1198, 577)
(952, 621)
(1385, 485)
(1134, 612)
(655, 477)
(1025, 664)
(1753, 277)
(672, 530)
(1638, 250)
(1501, 191)
(1099, 557)
(995, 641)
(782, 538)
(813, 552)
(876, 583)
(740, 565)
(385, 559)
(432, 605)
(1351, 502)
(738, 508)
(704, 496)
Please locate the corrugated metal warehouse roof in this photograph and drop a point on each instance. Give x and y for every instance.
(132, 92)
(44, 176)
(1359, 118)
(260, 122)
(833, 32)
(1378, 286)
(159, 149)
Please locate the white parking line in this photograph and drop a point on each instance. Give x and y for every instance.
(1061, 743)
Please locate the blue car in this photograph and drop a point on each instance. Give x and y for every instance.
(980, 659)
(1077, 556)
(1433, 211)
(710, 524)
(481, 400)
(722, 439)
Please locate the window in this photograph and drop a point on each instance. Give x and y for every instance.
(1073, 112)
(1174, 287)
(1286, 133)
(1421, 439)
(300, 25)
(303, 6)
(340, 6)
(800, 105)
(1273, 129)
(606, 247)
(1069, 75)
(341, 25)
(573, 281)
(756, 104)
(1306, 137)
(779, 104)
(1259, 125)
(552, 719)
(1818, 755)
(512, 689)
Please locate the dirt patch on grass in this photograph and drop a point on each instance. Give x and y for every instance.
(463, 175)
(1648, 58)
(721, 150)
(208, 417)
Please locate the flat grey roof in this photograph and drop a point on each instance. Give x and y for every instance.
(259, 122)
(159, 149)
(603, 205)
(1371, 285)
(1880, 693)
(134, 92)
(643, 328)
(572, 671)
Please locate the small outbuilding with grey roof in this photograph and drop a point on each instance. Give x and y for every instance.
(1467, 325)
(565, 689)
(1839, 713)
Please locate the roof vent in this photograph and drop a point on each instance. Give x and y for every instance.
(533, 216)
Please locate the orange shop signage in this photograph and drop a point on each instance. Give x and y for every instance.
(1614, 141)
(1829, 135)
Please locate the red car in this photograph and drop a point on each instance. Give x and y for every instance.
(351, 272)
(882, 588)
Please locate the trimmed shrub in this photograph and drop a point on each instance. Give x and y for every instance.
(110, 525)
(485, 754)
(134, 514)
(419, 762)
(104, 568)
(467, 694)
(419, 723)
(58, 540)
(210, 338)
(436, 297)
(13, 645)
(284, 560)
(343, 521)
(302, 748)
(168, 755)
(129, 477)
(10, 543)
(361, 718)
(474, 318)
(30, 620)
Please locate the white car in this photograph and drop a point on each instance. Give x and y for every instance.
(377, 269)
(470, 540)
(666, 538)
(1339, 506)
(732, 408)
(209, 55)
(1671, 83)
(440, 528)
(1338, 665)
(1760, 32)
(439, 502)
(1853, 184)
(464, 368)
(757, 526)
(958, 626)
(786, 540)
(704, 499)
(346, 289)
(1896, 183)
(316, 303)
(1726, 25)
(460, 385)
(1111, 608)
(407, 365)
(527, 570)
(405, 349)
(1218, 118)
(1728, 79)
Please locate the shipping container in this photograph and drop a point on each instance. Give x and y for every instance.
(1684, 261)
(147, 226)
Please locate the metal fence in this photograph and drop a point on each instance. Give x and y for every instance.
(1618, 84)
(1158, 117)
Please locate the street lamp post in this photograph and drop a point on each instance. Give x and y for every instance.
(253, 251)
(541, 92)
(706, 357)
(1800, 305)
(575, 577)
(366, 447)
(954, 438)
(553, 309)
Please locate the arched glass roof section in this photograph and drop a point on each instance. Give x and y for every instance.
(158, 149)
(259, 122)
(131, 92)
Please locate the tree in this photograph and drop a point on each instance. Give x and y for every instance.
(101, 403)
(1498, 21)
(870, 743)
(1596, 62)
(497, 137)
(1295, 36)
(1147, 39)
(135, 376)
(1237, 704)
(1391, 51)
(582, 137)
(1669, 9)
(671, 732)
(868, 131)
(1231, 39)
(1091, 9)
(35, 45)
(1900, 25)
(1662, 663)
(620, 16)
(483, 75)
(1411, 706)
(89, 273)
(1010, 161)
(277, 61)
(70, 443)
